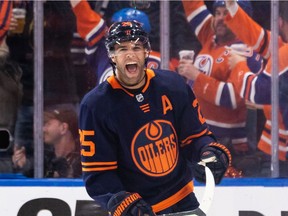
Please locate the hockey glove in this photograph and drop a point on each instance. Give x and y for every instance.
(129, 204)
(217, 157)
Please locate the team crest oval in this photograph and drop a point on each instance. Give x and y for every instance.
(107, 73)
(154, 148)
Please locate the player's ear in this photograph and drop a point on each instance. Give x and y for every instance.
(147, 52)
(112, 57)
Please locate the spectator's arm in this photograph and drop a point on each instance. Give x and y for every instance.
(5, 17)
(199, 19)
(258, 37)
(90, 24)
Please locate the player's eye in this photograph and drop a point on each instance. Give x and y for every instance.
(137, 48)
(121, 50)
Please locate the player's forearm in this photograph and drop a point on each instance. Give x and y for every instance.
(203, 141)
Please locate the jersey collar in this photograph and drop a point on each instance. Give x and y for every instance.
(116, 85)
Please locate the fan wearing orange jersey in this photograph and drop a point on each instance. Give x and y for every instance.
(256, 88)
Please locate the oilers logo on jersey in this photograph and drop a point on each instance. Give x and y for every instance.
(154, 148)
(204, 63)
(106, 74)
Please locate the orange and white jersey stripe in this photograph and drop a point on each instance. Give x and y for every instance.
(257, 89)
(258, 38)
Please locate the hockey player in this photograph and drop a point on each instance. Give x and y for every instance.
(91, 27)
(225, 111)
(139, 129)
(257, 87)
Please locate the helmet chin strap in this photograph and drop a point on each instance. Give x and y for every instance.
(113, 64)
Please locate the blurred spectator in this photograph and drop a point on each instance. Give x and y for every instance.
(21, 51)
(10, 91)
(257, 87)
(62, 155)
(93, 28)
(181, 37)
(59, 78)
(225, 111)
(10, 98)
(61, 131)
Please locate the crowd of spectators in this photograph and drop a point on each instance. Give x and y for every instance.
(69, 72)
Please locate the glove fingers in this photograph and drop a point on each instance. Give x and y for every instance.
(218, 170)
(199, 173)
(129, 204)
(216, 157)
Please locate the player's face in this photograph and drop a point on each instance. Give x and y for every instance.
(221, 30)
(129, 58)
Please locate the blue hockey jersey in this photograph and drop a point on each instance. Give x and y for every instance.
(141, 141)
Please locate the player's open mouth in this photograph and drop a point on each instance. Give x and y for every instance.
(131, 67)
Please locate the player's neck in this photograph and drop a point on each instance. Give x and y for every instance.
(135, 86)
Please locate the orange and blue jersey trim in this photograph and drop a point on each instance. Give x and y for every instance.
(189, 139)
(172, 200)
(99, 166)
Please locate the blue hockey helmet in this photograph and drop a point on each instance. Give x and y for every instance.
(130, 14)
(126, 31)
(244, 4)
